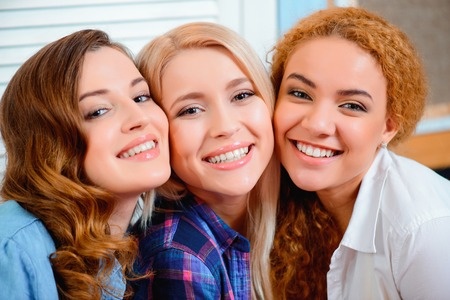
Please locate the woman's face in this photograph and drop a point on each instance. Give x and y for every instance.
(127, 133)
(330, 117)
(220, 131)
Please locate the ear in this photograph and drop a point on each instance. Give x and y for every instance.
(390, 130)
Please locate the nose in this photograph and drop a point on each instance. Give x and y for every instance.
(135, 117)
(318, 120)
(223, 122)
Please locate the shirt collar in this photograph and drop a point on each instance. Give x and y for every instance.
(224, 234)
(361, 231)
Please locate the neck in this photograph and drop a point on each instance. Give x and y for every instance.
(340, 205)
(120, 219)
(232, 210)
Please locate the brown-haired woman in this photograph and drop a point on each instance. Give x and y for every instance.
(84, 143)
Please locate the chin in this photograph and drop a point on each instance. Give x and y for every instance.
(304, 182)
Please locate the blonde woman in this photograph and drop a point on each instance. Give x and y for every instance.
(213, 236)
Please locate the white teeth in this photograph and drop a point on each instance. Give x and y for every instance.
(138, 149)
(314, 151)
(229, 156)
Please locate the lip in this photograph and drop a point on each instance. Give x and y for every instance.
(138, 141)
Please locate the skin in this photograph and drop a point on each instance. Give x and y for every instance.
(212, 111)
(332, 100)
(119, 116)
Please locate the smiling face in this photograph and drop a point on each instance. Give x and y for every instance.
(220, 129)
(127, 133)
(331, 117)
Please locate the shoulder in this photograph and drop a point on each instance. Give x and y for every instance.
(13, 218)
(411, 180)
(413, 194)
(25, 247)
(20, 226)
(413, 172)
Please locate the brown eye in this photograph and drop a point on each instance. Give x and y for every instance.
(300, 94)
(243, 95)
(142, 98)
(189, 111)
(354, 106)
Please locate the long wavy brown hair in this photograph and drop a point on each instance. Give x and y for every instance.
(40, 124)
(307, 235)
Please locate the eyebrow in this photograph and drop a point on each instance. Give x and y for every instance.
(193, 95)
(133, 83)
(349, 92)
(197, 95)
(301, 78)
(235, 82)
(353, 92)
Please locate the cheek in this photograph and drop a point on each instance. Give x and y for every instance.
(99, 138)
(283, 118)
(159, 119)
(183, 144)
(91, 162)
(364, 136)
(260, 120)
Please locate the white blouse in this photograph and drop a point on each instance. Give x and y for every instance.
(397, 244)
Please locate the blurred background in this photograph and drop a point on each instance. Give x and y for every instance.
(27, 25)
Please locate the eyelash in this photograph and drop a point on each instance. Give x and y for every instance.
(350, 106)
(354, 107)
(300, 94)
(146, 96)
(101, 111)
(241, 96)
(192, 110)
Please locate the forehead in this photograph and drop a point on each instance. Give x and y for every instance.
(105, 56)
(206, 63)
(106, 65)
(326, 54)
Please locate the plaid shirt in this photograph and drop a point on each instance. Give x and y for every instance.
(193, 254)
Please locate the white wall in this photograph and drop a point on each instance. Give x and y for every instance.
(27, 25)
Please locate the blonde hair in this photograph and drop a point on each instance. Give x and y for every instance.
(152, 61)
(41, 128)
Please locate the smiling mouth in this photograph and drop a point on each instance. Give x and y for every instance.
(228, 156)
(315, 151)
(138, 149)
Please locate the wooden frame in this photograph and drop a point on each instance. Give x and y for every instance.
(431, 149)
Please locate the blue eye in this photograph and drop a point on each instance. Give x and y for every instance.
(96, 113)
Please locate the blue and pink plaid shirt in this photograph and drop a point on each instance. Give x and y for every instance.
(193, 254)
